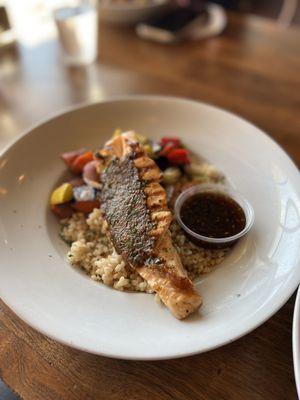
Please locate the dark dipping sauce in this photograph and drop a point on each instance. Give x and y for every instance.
(213, 215)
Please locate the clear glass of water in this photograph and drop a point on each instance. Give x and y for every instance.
(77, 24)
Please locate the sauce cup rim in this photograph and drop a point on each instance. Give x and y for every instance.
(216, 188)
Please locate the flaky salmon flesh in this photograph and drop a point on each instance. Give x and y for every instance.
(136, 211)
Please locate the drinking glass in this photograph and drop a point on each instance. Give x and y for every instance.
(77, 24)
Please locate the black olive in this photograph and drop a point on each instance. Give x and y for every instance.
(162, 162)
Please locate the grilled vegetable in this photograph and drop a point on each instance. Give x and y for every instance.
(70, 156)
(156, 147)
(167, 149)
(141, 139)
(171, 175)
(79, 162)
(202, 171)
(62, 210)
(85, 206)
(90, 174)
(76, 182)
(62, 194)
(149, 150)
(162, 162)
(178, 157)
(84, 193)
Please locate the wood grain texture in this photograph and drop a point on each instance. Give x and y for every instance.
(253, 70)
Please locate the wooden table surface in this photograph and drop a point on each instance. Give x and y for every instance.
(253, 69)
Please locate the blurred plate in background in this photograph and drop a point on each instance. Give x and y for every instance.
(126, 12)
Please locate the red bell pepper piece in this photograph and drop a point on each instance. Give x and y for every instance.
(80, 161)
(166, 149)
(62, 210)
(70, 156)
(178, 157)
(86, 206)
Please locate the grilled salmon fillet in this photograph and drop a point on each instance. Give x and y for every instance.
(135, 209)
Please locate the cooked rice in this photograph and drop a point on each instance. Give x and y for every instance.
(93, 251)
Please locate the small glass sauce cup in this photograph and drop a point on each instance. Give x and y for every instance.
(210, 242)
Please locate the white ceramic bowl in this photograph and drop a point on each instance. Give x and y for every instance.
(131, 12)
(254, 281)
